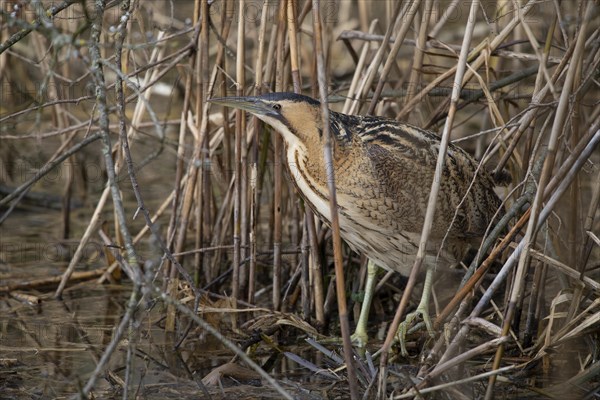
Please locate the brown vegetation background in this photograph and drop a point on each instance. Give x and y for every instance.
(115, 169)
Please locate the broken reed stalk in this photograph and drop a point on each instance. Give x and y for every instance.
(277, 161)
(255, 191)
(222, 220)
(295, 71)
(203, 194)
(335, 223)
(433, 196)
(240, 133)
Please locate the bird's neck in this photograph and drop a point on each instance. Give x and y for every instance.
(315, 165)
(309, 174)
(308, 159)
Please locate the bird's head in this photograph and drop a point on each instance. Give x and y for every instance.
(296, 117)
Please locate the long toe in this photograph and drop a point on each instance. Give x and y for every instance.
(409, 324)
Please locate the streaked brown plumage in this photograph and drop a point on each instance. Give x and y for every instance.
(383, 172)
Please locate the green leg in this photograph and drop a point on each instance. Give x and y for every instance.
(422, 310)
(360, 337)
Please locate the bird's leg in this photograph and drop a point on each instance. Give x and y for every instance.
(422, 310)
(360, 336)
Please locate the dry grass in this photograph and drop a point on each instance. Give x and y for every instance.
(125, 86)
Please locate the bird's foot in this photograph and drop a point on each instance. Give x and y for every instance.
(407, 327)
(359, 339)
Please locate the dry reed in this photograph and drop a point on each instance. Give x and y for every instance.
(515, 82)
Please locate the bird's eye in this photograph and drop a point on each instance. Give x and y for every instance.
(276, 107)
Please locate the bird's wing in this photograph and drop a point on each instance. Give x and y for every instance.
(404, 158)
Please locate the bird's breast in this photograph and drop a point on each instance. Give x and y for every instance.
(309, 183)
(367, 223)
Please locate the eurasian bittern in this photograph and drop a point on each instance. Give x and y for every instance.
(383, 174)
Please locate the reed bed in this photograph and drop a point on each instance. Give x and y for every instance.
(193, 202)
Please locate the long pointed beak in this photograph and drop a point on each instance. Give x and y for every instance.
(251, 104)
